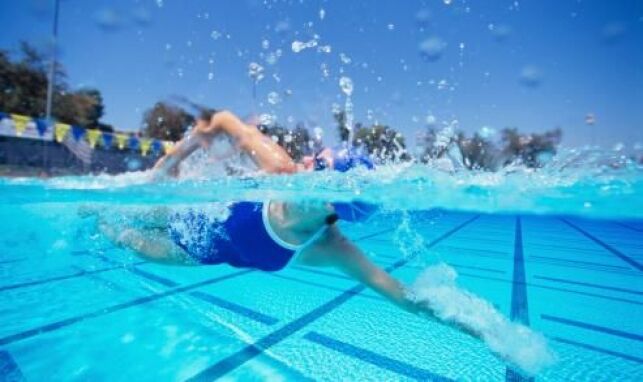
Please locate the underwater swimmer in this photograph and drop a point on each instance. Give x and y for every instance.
(270, 235)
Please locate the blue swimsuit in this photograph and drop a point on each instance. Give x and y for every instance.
(245, 239)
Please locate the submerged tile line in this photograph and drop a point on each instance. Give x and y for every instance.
(114, 308)
(231, 362)
(81, 273)
(590, 285)
(629, 227)
(519, 311)
(541, 286)
(3, 262)
(379, 360)
(603, 244)
(375, 234)
(319, 285)
(519, 303)
(9, 370)
(593, 327)
(598, 349)
(206, 297)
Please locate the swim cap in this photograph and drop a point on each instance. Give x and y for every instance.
(345, 159)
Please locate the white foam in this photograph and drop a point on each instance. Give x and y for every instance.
(515, 343)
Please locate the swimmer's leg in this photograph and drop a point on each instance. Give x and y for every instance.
(152, 244)
(335, 250)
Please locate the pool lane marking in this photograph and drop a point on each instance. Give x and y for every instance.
(603, 244)
(231, 362)
(323, 286)
(519, 303)
(114, 308)
(364, 355)
(629, 227)
(593, 327)
(206, 297)
(590, 285)
(9, 370)
(533, 285)
(579, 264)
(66, 277)
(11, 261)
(598, 349)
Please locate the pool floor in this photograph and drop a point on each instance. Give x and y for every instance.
(104, 314)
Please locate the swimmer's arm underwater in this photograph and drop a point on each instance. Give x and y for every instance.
(335, 250)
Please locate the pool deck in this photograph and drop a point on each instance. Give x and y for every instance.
(580, 282)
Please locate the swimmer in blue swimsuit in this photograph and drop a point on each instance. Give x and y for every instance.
(260, 235)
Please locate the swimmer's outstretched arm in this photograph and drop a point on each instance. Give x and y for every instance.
(268, 155)
(335, 250)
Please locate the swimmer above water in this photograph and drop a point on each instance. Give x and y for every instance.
(272, 235)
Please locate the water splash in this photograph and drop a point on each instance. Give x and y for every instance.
(517, 344)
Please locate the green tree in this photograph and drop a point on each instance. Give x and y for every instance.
(24, 83)
(296, 142)
(165, 121)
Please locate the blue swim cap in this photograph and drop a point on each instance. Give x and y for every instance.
(345, 159)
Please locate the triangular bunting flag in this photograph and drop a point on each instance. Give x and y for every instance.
(60, 131)
(92, 137)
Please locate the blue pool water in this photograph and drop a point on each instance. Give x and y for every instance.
(560, 252)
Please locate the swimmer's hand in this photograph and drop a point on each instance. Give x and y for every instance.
(166, 167)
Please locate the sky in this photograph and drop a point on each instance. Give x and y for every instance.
(474, 65)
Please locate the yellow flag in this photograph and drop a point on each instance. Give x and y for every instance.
(20, 123)
(60, 131)
(145, 146)
(121, 139)
(92, 137)
(167, 146)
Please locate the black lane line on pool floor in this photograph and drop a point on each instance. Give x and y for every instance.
(519, 303)
(206, 297)
(603, 244)
(381, 361)
(593, 327)
(81, 273)
(114, 308)
(599, 349)
(624, 225)
(9, 370)
(242, 356)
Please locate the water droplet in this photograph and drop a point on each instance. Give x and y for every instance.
(324, 69)
(344, 58)
(159, 3)
(297, 46)
(322, 14)
(210, 76)
(432, 48)
(447, 2)
(273, 98)
(324, 49)
(265, 44)
(531, 76)
(391, 27)
(347, 85)
(215, 35)
(255, 71)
